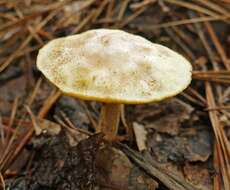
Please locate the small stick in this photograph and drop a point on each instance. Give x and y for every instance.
(192, 6)
(218, 46)
(192, 99)
(94, 123)
(218, 108)
(196, 94)
(12, 117)
(123, 8)
(2, 184)
(84, 22)
(141, 4)
(131, 17)
(184, 22)
(34, 92)
(55, 94)
(99, 10)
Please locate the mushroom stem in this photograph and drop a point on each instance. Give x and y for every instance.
(109, 120)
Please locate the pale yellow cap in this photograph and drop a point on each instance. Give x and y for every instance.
(114, 66)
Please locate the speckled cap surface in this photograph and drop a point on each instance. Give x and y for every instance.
(113, 66)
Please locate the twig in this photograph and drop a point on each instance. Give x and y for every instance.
(71, 125)
(99, 10)
(192, 6)
(12, 116)
(92, 120)
(26, 41)
(180, 43)
(196, 94)
(84, 22)
(131, 17)
(55, 94)
(153, 169)
(214, 6)
(218, 108)
(222, 144)
(123, 7)
(192, 99)
(141, 4)
(2, 133)
(220, 81)
(218, 45)
(2, 183)
(34, 92)
(183, 22)
(211, 72)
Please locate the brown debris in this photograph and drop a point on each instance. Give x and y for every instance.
(116, 171)
(164, 117)
(198, 175)
(189, 145)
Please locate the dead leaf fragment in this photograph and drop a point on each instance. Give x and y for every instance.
(141, 136)
(115, 171)
(165, 117)
(47, 126)
(74, 136)
(192, 144)
(43, 125)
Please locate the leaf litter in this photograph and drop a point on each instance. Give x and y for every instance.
(183, 143)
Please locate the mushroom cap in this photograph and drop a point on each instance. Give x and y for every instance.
(113, 66)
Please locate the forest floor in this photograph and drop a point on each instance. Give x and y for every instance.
(48, 140)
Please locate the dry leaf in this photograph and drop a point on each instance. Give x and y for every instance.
(192, 144)
(46, 126)
(165, 117)
(115, 171)
(141, 135)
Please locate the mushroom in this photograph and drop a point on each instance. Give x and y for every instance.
(113, 67)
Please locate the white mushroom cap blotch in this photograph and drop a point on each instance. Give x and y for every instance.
(114, 66)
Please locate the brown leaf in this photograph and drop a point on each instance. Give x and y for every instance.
(115, 171)
(192, 144)
(164, 117)
(47, 126)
